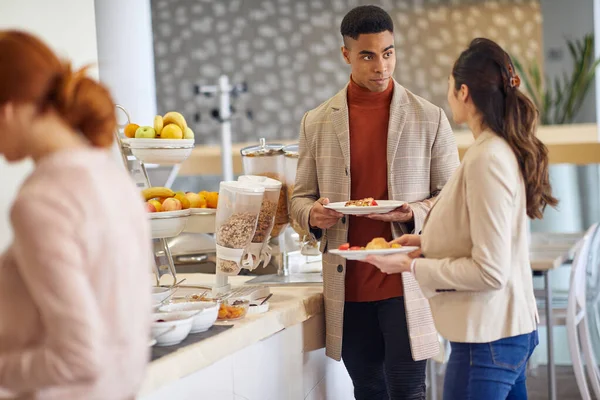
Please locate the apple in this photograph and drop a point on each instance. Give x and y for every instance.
(157, 205)
(150, 207)
(188, 133)
(171, 204)
(145, 132)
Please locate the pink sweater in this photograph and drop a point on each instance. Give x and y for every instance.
(74, 284)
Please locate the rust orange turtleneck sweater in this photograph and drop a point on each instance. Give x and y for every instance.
(369, 115)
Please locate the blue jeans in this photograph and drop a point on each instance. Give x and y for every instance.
(490, 371)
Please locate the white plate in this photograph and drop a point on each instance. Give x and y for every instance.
(169, 214)
(362, 254)
(384, 206)
(203, 211)
(158, 143)
(167, 227)
(201, 223)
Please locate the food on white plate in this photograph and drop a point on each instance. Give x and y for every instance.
(375, 244)
(367, 202)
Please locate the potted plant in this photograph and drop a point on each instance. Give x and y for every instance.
(560, 100)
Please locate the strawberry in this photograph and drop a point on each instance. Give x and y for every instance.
(345, 246)
(374, 203)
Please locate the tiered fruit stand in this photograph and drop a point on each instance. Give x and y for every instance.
(137, 154)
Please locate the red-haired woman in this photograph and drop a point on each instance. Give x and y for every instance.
(74, 283)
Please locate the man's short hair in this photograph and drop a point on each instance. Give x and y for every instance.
(364, 20)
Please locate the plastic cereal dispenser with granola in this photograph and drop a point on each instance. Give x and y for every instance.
(237, 215)
(268, 160)
(259, 251)
(309, 246)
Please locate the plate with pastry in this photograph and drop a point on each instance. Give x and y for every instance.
(377, 247)
(365, 206)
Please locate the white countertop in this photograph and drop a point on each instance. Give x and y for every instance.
(289, 306)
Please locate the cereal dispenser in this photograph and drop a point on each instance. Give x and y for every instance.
(237, 215)
(268, 160)
(259, 251)
(308, 243)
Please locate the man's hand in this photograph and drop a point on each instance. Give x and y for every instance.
(321, 217)
(404, 213)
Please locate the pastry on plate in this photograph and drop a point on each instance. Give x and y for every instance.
(368, 202)
(378, 244)
(375, 244)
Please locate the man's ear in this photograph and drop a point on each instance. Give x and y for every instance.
(345, 54)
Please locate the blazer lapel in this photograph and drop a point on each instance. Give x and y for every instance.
(341, 124)
(396, 122)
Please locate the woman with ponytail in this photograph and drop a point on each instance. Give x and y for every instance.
(74, 283)
(474, 260)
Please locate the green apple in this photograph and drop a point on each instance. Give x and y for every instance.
(145, 132)
(188, 134)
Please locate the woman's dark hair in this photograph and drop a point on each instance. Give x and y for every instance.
(487, 70)
(364, 20)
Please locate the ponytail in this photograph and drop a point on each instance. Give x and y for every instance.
(85, 105)
(520, 123)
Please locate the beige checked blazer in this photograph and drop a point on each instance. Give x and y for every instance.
(421, 154)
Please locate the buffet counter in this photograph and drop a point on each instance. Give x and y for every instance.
(277, 354)
(568, 144)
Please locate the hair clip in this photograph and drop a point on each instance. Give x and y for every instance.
(515, 81)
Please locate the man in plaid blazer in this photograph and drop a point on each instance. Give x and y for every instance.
(373, 139)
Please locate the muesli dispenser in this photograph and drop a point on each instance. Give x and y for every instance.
(259, 251)
(309, 246)
(237, 214)
(268, 160)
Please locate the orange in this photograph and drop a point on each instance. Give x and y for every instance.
(212, 199)
(130, 130)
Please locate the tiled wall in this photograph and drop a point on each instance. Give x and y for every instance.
(288, 53)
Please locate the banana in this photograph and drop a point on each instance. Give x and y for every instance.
(158, 124)
(176, 118)
(153, 192)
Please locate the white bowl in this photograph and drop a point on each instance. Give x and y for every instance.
(201, 223)
(157, 143)
(160, 151)
(159, 294)
(177, 326)
(168, 224)
(256, 308)
(204, 320)
(162, 156)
